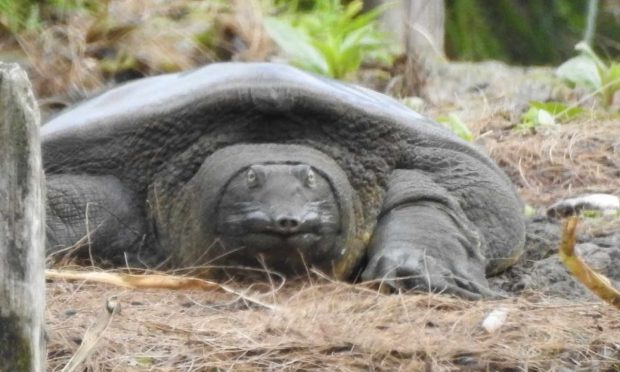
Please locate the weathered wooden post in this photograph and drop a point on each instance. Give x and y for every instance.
(22, 221)
(418, 25)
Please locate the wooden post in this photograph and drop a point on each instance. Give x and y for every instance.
(22, 221)
(425, 26)
(418, 25)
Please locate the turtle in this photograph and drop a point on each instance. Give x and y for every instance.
(238, 165)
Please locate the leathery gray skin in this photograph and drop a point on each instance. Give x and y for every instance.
(279, 210)
(261, 164)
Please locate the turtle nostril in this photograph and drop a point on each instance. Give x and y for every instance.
(288, 224)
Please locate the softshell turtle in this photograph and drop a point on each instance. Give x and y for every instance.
(258, 164)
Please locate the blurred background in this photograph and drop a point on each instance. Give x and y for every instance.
(82, 43)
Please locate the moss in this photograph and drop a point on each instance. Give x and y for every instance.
(15, 352)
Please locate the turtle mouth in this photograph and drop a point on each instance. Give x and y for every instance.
(269, 240)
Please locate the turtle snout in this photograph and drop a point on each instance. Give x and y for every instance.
(287, 224)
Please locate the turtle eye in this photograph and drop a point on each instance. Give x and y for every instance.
(251, 178)
(310, 179)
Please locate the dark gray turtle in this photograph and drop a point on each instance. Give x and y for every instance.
(262, 164)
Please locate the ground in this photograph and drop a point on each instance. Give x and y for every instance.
(319, 325)
(314, 324)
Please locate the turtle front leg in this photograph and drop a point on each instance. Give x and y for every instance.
(96, 213)
(424, 241)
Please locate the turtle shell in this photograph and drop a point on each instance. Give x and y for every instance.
(159, 131)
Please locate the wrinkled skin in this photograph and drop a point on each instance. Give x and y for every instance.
(265, 165)
(424, 241)
(401, 257)
(275, 210)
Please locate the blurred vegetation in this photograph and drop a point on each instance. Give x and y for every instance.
(547, 114)
(527, 32)
(334, 34)
(456, 126)
(329, 37)
(20, 15)
(589, 71)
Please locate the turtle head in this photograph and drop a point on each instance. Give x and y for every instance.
(287, 207)
(279, 211)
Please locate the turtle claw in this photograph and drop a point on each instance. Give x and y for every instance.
(409, 271)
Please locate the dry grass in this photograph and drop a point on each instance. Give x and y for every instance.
(327, 326)
(550, 163)
(84, 52)
(572, 159)
(72, 59)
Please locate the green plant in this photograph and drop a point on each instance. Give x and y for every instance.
(456, 125)
(328, 37)
(529, 211)
(547, 114)
(588, 70)
(590, 213)
(18, 15)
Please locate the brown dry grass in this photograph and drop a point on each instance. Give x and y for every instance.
(572, 159)
(545, 164)
(327, 326)
(80, 54)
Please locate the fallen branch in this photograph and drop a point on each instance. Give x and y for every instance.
(159, 281)
(152, 281)
(595, 282)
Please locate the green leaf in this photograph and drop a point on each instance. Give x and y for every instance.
(535, 117)
(611, 83)
(352, 9)
(369, 17)
(544, 117)
(613, 77)
(456, 125)
(529, 211)
(353, 39)
(586, 50)
(591, 213)
(558, 110)
(330, 38)
(144, 361)
(330, 55)
(581, 71)
(294, 43)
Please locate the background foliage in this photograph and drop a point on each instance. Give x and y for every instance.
(517, 31)
(527, 31)
(328, 37)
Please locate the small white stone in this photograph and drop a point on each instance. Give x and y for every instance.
(495, 319)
